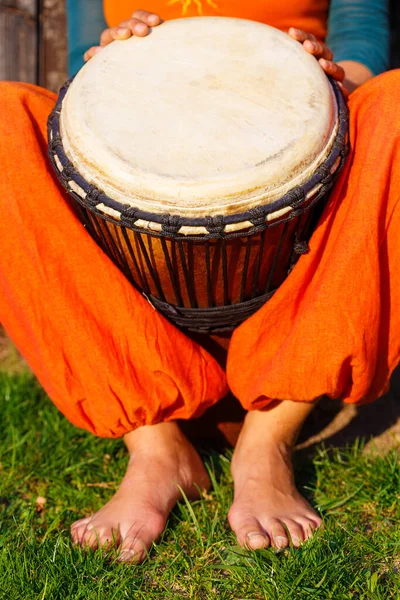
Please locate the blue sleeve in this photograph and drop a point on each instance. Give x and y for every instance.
(85, 23)
(359, 30)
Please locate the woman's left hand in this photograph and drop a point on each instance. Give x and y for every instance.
(322, 53)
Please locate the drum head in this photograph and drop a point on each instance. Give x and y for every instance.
(204, 116)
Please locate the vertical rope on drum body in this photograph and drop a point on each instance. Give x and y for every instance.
(108, 242)
(257, 268)
(132, 255)
(152, 271)
(118, 252)
(122, 257)
(188, 280)
(245, 269)
(118, 243)
(276, 258)
(225, 281)
(175, 283)
(208, 274)
(140, 260)
(175, 266)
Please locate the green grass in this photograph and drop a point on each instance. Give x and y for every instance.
(356, 556)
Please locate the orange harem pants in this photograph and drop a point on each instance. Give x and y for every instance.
(111, 363)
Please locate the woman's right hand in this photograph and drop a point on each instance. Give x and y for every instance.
(139, 24)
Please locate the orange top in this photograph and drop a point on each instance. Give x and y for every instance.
(310, 15)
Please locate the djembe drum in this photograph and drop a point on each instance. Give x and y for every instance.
(201, 157)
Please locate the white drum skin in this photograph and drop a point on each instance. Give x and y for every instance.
(205, 116)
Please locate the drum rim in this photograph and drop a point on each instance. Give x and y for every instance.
(170, 225)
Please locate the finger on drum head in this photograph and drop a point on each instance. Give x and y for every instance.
(332, 68)
(91, 52)
(108, 36)
(149, 18)
(317, 49)
(123, 32)
(301, 36)
(138, 27)
(328, 54)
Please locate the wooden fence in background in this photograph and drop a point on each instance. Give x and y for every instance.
(33, 41)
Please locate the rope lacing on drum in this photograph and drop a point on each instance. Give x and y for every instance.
(257, 216)
(128, 216)
(296, 197)
(56, 143)
(92, 195)
(325, 174)
(67, 172)
(341, 139)
(344, 152)
(171, 224)
(215, 226)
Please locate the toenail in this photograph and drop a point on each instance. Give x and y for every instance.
(253, 534)
(281, 542)
(90, 526)
(257, 540)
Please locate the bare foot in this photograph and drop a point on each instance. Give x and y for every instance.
(161, 461)
(267, 506)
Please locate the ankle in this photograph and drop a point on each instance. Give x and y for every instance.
(153, 439)
(260, 456)
(254, 438)
(165, 447)
(269, 429)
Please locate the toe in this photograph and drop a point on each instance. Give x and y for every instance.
(78, 525)
(78, 530)
(82, 533)
(256, 540)
(88, 536)
(309, 525)
(137, 540)
(133, 550)
(75, 535)
(249, 531)
(296, 532)
(130, 556)
(135, 547)
(315, 519)
(277, 533)
(98, 537)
